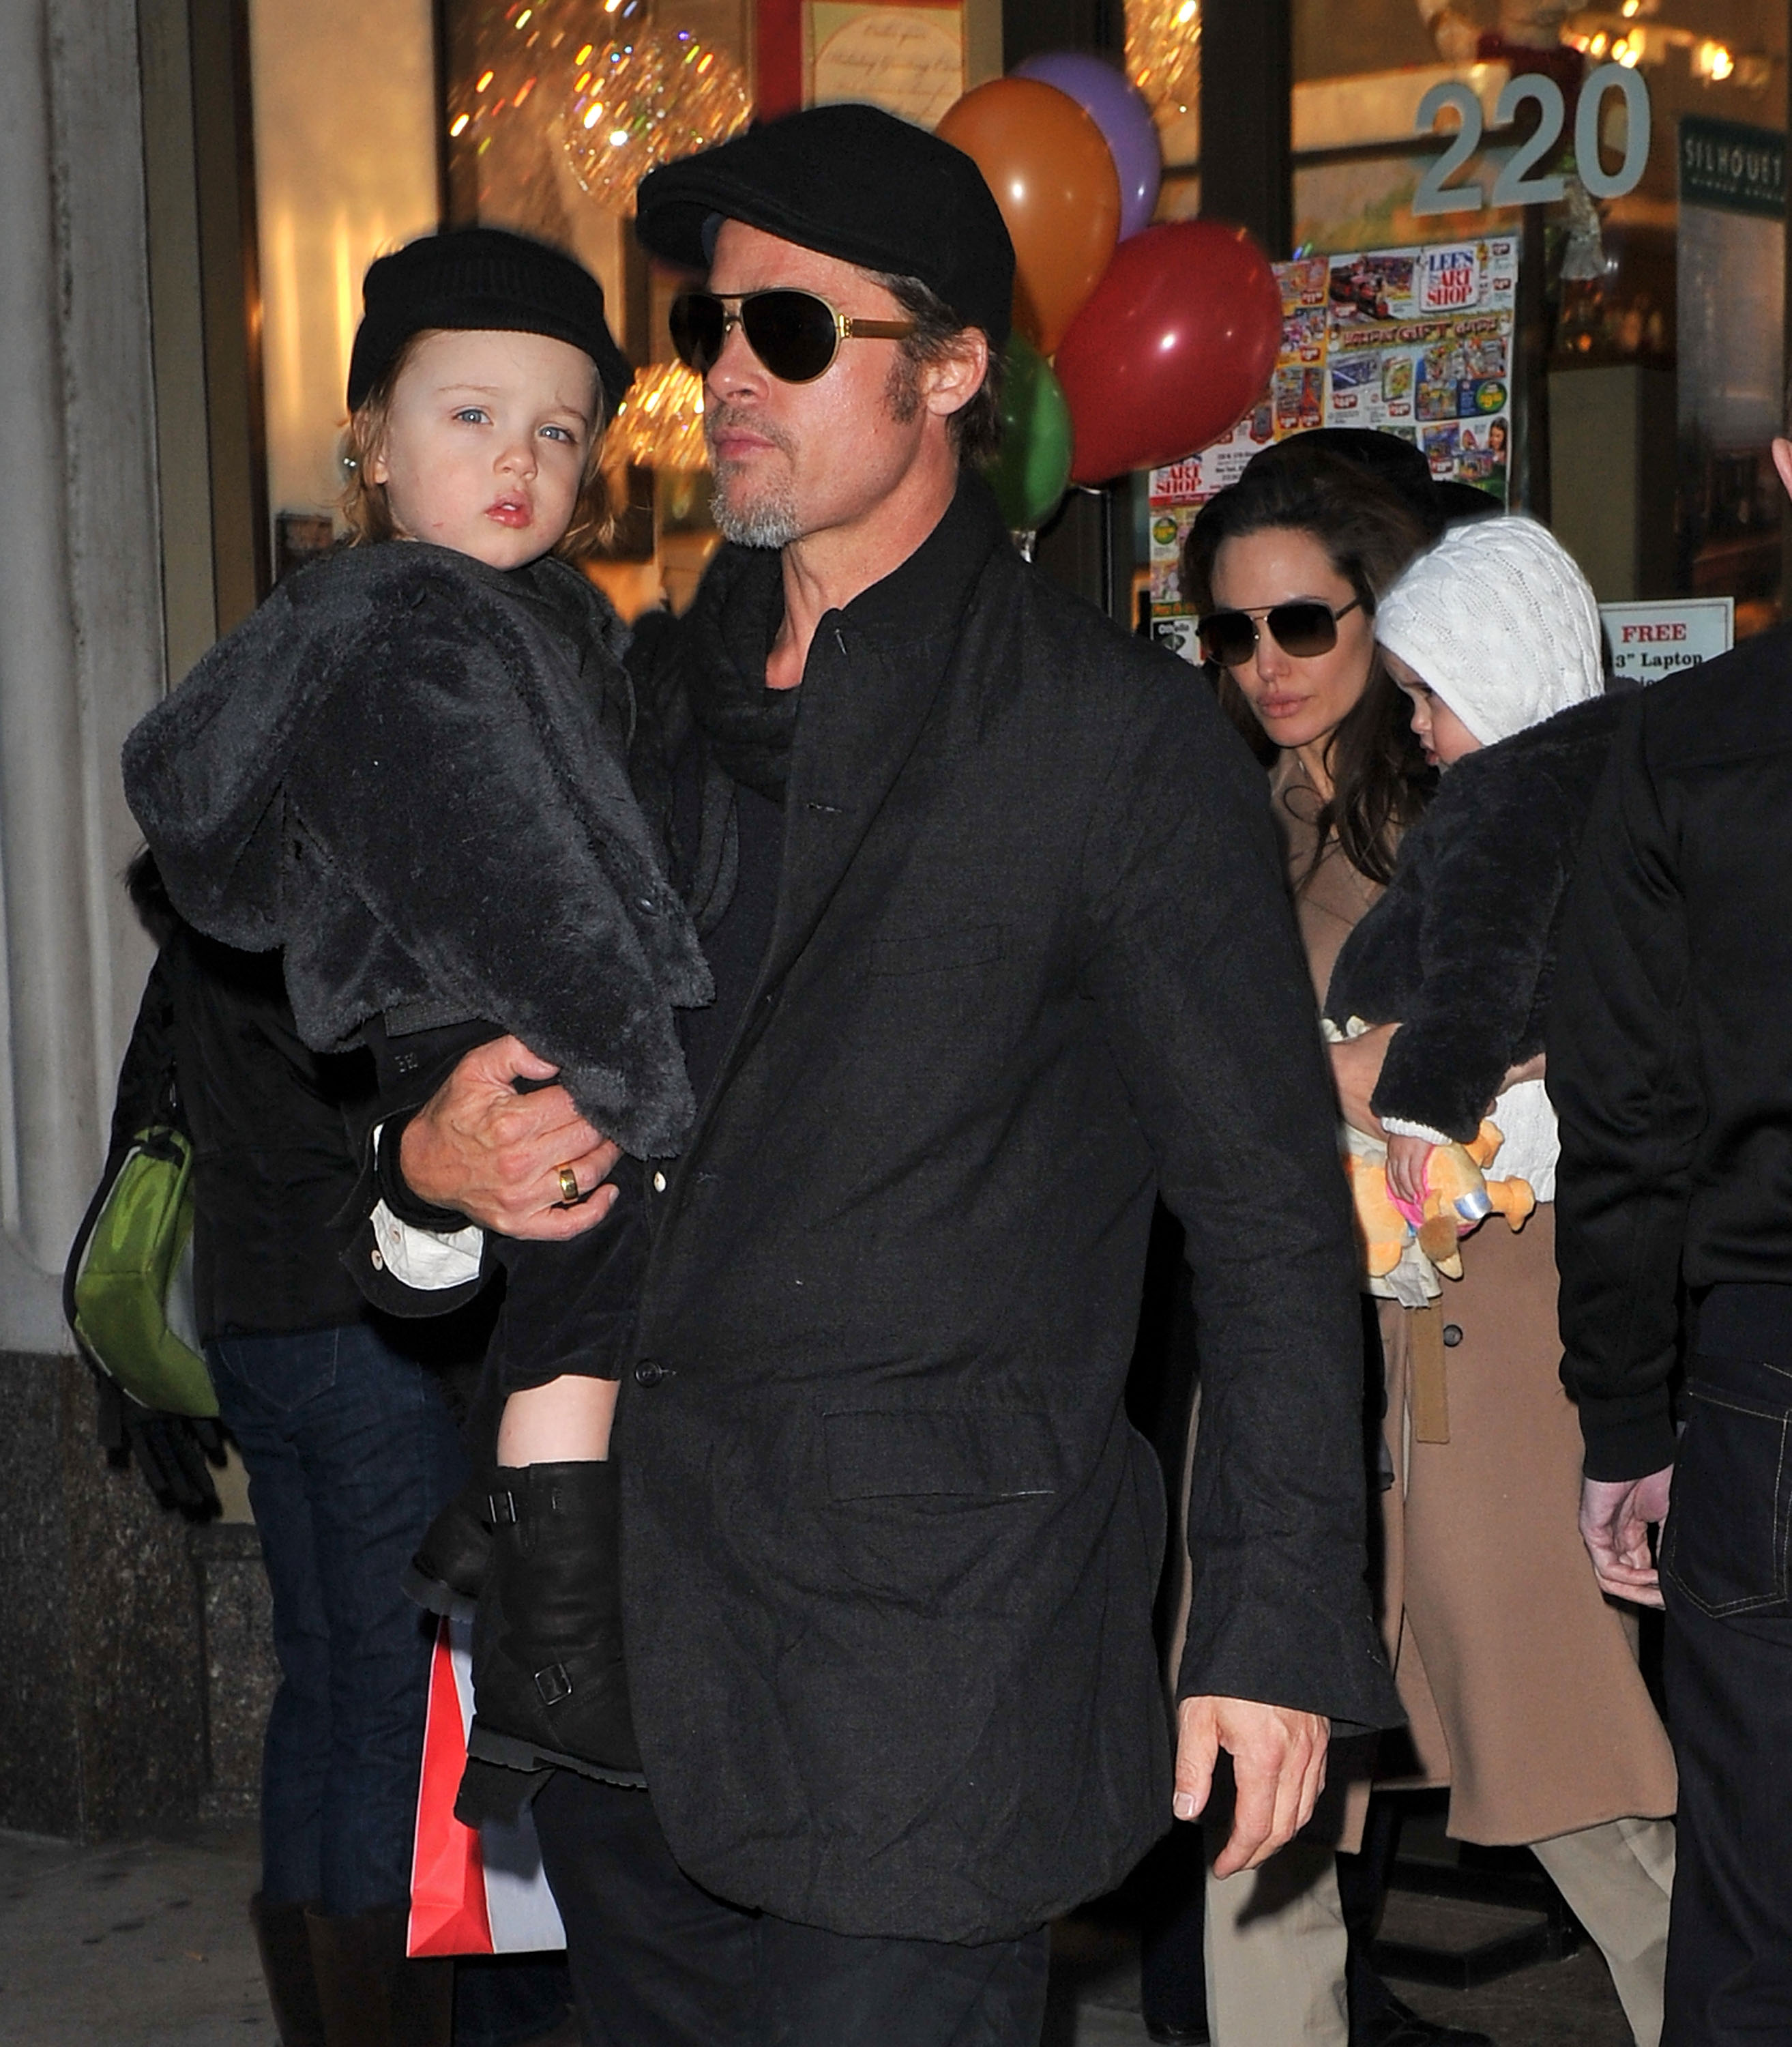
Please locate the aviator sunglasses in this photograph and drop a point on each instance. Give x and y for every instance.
(794, 334)
(1304, 628)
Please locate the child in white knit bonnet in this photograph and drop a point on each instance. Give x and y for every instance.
(1492, 632)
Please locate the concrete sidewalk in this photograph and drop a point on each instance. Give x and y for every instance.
(149, 1946)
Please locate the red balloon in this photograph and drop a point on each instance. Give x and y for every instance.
(1176, 345)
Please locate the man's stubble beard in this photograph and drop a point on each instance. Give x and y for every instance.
(766, 518)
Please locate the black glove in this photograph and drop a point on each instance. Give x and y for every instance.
(172, 1451)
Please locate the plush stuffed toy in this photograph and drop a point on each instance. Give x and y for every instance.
(1458, 1198)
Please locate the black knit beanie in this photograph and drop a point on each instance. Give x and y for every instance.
(469, 278)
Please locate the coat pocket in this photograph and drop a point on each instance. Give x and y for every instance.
(979, 1454)
(937, 952)
(1725, 1543)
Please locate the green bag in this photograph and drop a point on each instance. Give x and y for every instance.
(130, 1283)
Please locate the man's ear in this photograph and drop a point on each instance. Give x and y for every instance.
(1782, 462)
(950, 380)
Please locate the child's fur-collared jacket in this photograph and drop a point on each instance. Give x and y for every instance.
(408, 770)
(1461, 951)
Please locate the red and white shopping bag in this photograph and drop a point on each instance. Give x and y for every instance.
(473, 1892)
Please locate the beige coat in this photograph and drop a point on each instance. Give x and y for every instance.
(1520, 1680)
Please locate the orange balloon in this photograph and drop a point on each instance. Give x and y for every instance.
(1053, 177)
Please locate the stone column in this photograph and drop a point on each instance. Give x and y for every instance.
(102, 1719)
(80, 622)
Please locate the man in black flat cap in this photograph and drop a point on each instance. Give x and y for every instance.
(1002, 948)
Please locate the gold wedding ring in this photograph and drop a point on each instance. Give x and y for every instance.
(569, 1183)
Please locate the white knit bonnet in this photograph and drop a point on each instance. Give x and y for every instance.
(1497, 620)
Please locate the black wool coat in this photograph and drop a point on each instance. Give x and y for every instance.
(1461, 949)
(890, 1543)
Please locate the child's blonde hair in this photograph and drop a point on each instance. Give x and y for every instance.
(363, 503)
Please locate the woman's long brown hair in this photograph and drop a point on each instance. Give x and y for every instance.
(1380, 782)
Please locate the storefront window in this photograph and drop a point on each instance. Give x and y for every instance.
(1607, 185)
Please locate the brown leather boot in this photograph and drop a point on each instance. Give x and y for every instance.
(286, 1968)
(372, 1994)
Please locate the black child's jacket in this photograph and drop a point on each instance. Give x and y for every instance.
(1461, 951)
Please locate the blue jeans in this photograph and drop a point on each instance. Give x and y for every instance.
(351, 1454)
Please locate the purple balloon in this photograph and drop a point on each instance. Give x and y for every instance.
(1109, 99)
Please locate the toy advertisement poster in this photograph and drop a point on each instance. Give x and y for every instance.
(1414, 342)
(1418, 343)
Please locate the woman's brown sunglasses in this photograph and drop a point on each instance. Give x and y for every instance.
(1301, 629)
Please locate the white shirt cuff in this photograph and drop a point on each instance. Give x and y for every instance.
(422, 1258)
(429, 1260)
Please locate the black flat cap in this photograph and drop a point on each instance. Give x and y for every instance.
(476, 278)
(853, 182)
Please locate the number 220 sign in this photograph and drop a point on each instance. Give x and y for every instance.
(1515, 184)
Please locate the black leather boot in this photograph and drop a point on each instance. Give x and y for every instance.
(456, 1551)
(371, 1994)
(286, 1968)
(549, 1688)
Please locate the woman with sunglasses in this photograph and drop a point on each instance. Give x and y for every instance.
(1289, 566)
(1520, 1679)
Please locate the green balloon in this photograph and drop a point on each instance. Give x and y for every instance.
(1032, 467)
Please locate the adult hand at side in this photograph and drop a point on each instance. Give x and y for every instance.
(1616, 1515)
(479, 1147)
(1355, 1067)
(1278, 1764)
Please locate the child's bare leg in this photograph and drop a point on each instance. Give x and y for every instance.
(567, 1420)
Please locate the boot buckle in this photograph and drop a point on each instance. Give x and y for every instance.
(501, 1508)
(553, 1684)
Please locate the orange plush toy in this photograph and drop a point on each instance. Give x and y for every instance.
(1458, 1198)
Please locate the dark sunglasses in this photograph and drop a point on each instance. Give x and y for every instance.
(1304, 628)
(794, 333)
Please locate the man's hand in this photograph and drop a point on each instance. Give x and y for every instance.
(1278, 1763)
(1355, 1067)
(1616, 1515)
(494, 1154)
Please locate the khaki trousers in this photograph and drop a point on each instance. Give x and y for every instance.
(1276, 1951)
(1617, 1879)
(1275, 1944)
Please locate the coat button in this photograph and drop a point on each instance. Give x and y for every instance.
(650, 1371)
(659, 1183)
(1452, 1335)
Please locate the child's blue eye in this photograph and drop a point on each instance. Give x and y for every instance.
(559, 433)
(475, 413)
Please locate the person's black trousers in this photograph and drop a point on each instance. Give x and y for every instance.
(657, 1962)
(1728, 1675)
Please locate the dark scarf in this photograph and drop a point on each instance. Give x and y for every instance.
(730, 630)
